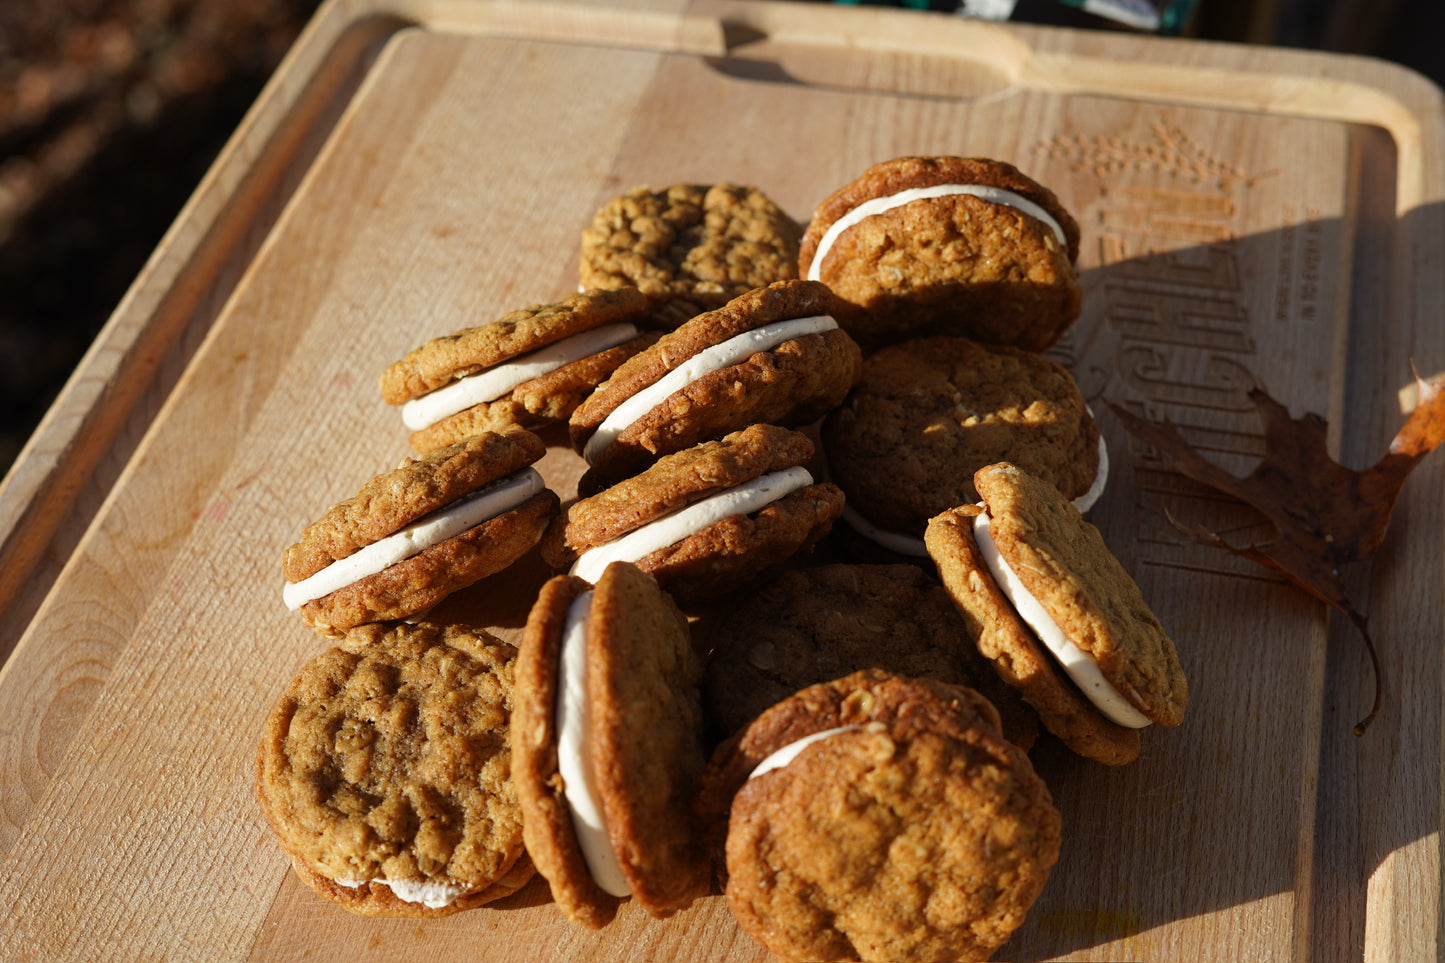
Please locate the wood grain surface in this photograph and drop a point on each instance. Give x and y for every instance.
(1249, 216)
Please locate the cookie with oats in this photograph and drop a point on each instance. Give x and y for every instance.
(774, 355)
(929, 412)
(413, 535)
(531, 367)
(946, 245)
(608, 746)
(694, 246)
(815, 624)
(702, 521)
(1059, 616)
(385, 771)
(880, 817)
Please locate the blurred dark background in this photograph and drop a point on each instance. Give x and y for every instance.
(111, 110)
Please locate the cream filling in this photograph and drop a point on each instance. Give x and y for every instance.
(429, 893)
(788, 753)
(489, 502)
(877, 205)
(893, 541)
(744, 499)
(492, 383)
(1076, 663)
(730, 352)
(913, 545)
(574, 754)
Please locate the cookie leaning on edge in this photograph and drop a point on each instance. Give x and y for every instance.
(693, 246)
(1059, 616)
(878, 817)
(955, 245)
(705, 520)
(530, 367)
(385, 772)
(772, 356)
(607, 746)
(412, 536)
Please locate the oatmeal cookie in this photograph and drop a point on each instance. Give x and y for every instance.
(879, 817)
(1059, 616)
(530, 367)
(929, 412)
(609, 751)
(773, 355)
(413, 535)
(705, 520)
(946, 245)
(385, 771)
(694, 246)
(812, 625)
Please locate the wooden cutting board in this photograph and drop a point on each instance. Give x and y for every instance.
(1249, 215)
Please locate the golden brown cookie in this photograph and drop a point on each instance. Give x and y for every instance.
(773, 355)
(929, 412)
(385, 771)
(608, 749)
(530, 367)
(413, 535)
(1087, 652)
(946, 245)
(694, 246)
(907, 829)
(705, 520)
(812, 625)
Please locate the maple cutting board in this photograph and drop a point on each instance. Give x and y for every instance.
(1249, 216)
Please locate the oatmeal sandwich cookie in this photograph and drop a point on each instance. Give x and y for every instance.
(413, 535)
(705, 520)
(880, 817)
(815, 624)
(1058, 615)
(774, 355)
(693, 246)
(608, 751)
(947, 245)
(530, 367)
(385, 771)
(929, 412)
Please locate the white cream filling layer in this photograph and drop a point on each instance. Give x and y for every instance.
(489, 502)
(1076, 663)
(492, 383)
(877, 205)
(431, 894)
(744, 499)
(730, 352)
(893, 541)
(910, 545)
(788, 753)
(574, 754)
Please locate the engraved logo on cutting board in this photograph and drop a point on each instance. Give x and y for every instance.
(1176, 338)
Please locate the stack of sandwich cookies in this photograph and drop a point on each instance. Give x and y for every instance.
(819, 623)
(879, 817)
(929, 412)
(923, 245)
(692, 247)
(608, 751)
(773, 355)
(705, 520)
(385, 772)
(530, 367)
(1059, 616)
(412, 536)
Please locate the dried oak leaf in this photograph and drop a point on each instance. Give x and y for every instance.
(1323, 514)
